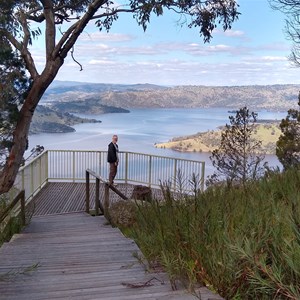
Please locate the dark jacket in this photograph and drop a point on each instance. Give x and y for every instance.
(112, 153)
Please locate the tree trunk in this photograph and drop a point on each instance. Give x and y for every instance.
(20, 135)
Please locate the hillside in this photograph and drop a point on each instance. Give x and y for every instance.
(48, 120)
(207, 141)
(86, 106)
(273, 97)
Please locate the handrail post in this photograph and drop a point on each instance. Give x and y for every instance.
(87, 192)
(106, 201)
(97, 200)
(23, 217)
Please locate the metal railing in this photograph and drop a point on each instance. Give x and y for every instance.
(71, 165)
(151, 170)
(31, 177)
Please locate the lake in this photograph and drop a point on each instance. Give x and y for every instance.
(140, 129)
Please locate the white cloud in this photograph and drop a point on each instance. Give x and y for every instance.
(238, 34)
(105, 37)
(182, 71)
(234, 33)
(102, 62)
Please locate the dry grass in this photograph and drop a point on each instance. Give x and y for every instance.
(210, 140)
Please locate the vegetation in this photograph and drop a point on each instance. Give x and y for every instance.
(13, 85)
(291, 8)
(17, 18)
(236, 160)
(243, 243)
(288, 144)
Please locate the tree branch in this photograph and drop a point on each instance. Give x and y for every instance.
(71, 36)
(50, 27)
(30, 65)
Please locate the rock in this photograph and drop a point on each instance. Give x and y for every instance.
(122, 213)
(141, 192)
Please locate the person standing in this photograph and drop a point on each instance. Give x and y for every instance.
(113, 158)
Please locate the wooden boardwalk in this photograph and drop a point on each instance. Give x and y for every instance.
(79, 257)
(64, 254)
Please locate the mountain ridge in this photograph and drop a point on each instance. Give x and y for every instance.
(269, 97)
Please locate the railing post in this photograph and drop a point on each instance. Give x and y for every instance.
(40, 172)
(23, 218)
(97, 204)
(175, 172)
(73, 169)
(202, 176)
(150, 170)
(87, 192)
(46, 166)
(106, 202)
(31, 178)
(126, 167)
(23, 179)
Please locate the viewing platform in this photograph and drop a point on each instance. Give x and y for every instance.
(65, 253)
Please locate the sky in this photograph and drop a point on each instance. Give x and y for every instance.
(254, 51)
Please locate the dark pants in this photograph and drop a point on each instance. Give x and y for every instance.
(112, 172)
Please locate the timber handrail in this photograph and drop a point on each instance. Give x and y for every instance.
(98, 203)
(20, 197)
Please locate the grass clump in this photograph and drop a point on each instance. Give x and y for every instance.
(243, 243)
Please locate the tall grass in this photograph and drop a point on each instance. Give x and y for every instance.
(242, 243)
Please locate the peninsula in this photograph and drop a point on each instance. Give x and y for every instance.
(267, 133)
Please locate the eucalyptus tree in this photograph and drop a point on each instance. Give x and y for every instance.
(238, 158)
(18, 17)
(288, 144)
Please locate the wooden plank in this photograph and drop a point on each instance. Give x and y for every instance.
(79, 257)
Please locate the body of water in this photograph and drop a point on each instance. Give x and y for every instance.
(140, 129)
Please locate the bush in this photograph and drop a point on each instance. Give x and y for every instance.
(243, 243)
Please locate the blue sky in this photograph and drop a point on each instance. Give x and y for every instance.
(254, 51)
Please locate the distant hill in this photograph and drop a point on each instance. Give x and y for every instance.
(48, 120)
(59, 87)
(270, 97)
(86, 106)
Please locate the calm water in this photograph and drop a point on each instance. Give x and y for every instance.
(140, 129)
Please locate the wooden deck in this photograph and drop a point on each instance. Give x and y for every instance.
(65, 197)
(72, 255)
